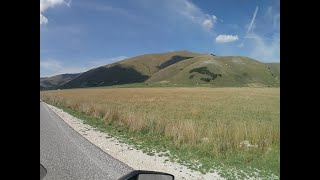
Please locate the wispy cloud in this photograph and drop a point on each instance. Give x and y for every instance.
(51, 64)
(266, 50)
(175, 9)
(265, 39)
(51, 67)
(43, 19)
(226, 38)
(69, 3)
(111, 9)
(105, 8)
(192, 12)
(273, 18)
(45, 4)
(209, 21)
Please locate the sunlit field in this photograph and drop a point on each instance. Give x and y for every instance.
(236, 126)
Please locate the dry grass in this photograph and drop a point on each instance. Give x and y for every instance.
(219, 119)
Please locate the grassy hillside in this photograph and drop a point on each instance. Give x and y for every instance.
(56, 81)
(182, 68)
(148, 64)
(107, 76)
(218, 71)
(132, 70)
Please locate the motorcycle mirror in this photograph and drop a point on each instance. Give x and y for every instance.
(147, 175)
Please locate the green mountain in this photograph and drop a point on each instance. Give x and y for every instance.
(181, 67)
(54, 82)
(133, 70)
(220, 71)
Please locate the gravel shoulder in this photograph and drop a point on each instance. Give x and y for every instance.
(128, 154)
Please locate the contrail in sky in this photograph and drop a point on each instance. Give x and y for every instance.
(250, 26)
(253, 19)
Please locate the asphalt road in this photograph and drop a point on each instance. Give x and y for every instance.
(67, 155)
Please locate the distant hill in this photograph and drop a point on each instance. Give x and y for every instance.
(179, 67)
(132, 70)
(54, 82)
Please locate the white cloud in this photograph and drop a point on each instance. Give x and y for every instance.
(226, 38)
(209, 22)
(51, 67)
(193, 13)
(45, 4)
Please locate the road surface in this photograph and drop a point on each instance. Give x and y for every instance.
(67, 155)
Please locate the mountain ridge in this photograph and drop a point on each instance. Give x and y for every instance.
(180, 67)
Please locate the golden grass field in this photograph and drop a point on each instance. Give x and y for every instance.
(220, 119)
(237, 127)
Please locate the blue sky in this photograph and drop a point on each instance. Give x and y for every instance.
(78, 35)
